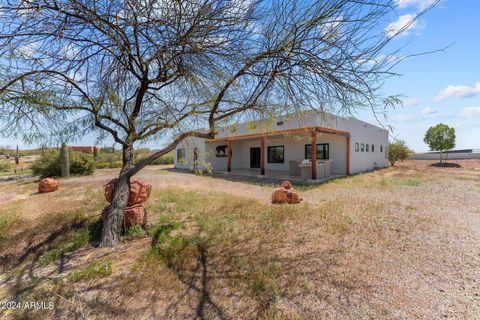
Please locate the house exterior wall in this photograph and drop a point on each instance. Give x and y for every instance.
(360, 132)
(189, 144)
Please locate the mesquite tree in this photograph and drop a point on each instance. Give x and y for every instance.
(140, 69)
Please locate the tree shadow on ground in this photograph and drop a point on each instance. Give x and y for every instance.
(446, 165)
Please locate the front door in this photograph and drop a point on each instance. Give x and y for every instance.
(254, 157)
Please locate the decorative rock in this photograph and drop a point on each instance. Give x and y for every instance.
(139, 192)
(48, 185)
(133, 215)
(285, 194)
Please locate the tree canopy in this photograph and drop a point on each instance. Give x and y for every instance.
(138, 70)
(440, 138)
(398, 151)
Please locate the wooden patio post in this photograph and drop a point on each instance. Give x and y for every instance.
(314, 155)
(348, 155)
(229, 155)
(262, 156)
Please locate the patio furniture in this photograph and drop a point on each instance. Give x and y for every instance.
(294, 167)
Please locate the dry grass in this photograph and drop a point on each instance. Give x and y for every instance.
(395, 243)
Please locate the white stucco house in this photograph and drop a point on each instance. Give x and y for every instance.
(281, 148)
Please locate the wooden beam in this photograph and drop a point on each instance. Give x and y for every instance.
(229, 156)
(348, 156)
(262, 156)
(314, 155)
(305, 130)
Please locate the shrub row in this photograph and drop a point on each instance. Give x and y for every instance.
(48, 165)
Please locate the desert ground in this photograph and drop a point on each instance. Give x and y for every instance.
(397, 243)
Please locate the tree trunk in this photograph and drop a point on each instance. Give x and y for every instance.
(112, 225)
(64, 161)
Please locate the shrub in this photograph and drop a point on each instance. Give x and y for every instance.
(165, 159)
(95, 270)
(49, 164)
(105, 160)
(5, 166)
(398, 151)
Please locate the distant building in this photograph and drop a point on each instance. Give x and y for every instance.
(85, 149)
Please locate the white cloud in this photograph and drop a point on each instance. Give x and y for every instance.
(420, 4)
(429, 110)
(437, 115)
(426, 115)
(410, 102)
(457, 92)
(404, 118)
(403, 26)
(470, 112)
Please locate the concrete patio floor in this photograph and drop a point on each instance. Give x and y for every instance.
(276, 175)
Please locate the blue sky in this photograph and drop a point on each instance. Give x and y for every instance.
(438, 87)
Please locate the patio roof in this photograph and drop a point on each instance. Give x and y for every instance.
(283, 132)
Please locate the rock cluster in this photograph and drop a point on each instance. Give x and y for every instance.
(135, 212)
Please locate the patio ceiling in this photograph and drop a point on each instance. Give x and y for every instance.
(305, 130)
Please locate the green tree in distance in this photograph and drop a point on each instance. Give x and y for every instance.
(398, 151)
(440, 138)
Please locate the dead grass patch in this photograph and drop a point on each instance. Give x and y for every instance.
(371, 246)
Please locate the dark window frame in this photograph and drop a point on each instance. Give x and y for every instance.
(181, 155)
(367, 147)
(362, 147)
(373, 148)
(271, 159)
(357, 147)
(326, 151)
(381, 148)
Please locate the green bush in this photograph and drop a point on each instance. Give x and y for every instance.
(49, 164)
(165, 159)
(105, 160)
(5, 166)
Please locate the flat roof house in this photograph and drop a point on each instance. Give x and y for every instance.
(282, 148)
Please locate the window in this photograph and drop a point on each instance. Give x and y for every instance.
(366, 147)
(357, 147)
(381, 148)
(323, 151)
(181, 155)
(373, 148)
(362, 147)
(276, 154)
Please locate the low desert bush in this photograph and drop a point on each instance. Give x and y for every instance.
(165, 159)
(105, 160)
(95, 270)
(5, 166)
(48, 165)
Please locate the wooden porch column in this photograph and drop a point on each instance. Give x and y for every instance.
(348, 155)
(229, 155)
(262, 156)
(314, 155)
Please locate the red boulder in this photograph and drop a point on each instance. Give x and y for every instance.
(133, 215)
(139, 192)
(285, 194)
(48, 185)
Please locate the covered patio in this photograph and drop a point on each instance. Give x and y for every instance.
(246, 155)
